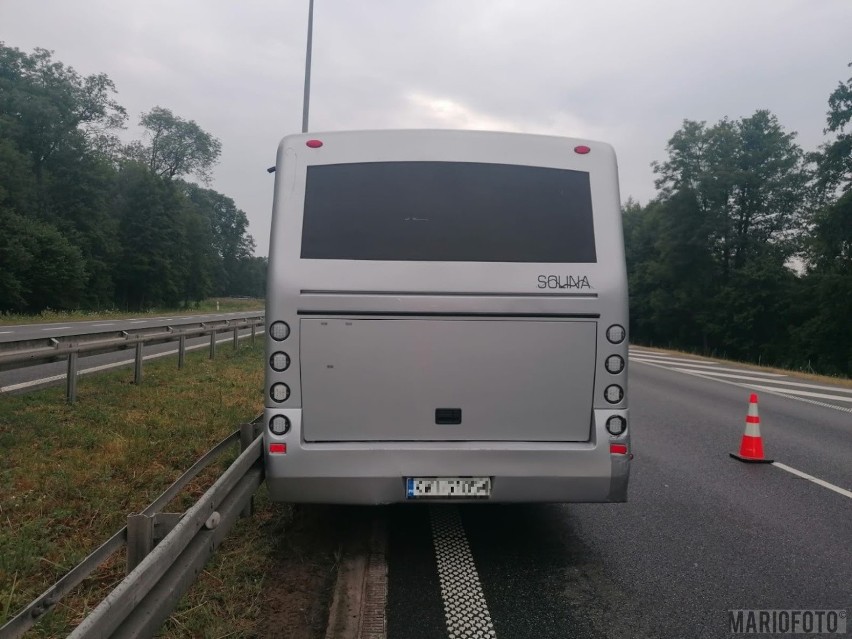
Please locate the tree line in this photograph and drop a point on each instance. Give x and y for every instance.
(88, 222)
(746, 250)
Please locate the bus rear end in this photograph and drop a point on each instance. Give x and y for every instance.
(447, 320)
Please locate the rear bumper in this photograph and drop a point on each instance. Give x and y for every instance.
(375, 472)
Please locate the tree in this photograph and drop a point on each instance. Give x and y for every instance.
(45, 106)
(39, 268)
(706, 258)
(199, 255)
(749, 179)
(54, 128)
(176, 147)
(250, 277)
(152, 237)
(229, 228)
(835, 157)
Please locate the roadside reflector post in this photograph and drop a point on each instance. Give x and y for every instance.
(236, 337)
(212, 343)
(247, 435)
(137, 376)
(71, 378)
(181, 350)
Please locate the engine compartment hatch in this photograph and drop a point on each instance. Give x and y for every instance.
(443, 379)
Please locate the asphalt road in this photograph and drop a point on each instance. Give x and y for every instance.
(702, 534)
(42, 375)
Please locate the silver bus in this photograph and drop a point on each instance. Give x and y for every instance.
(447, 320)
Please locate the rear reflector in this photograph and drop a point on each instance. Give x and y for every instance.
(618, 449)
(314, 144)
(279, 449)
(582, 149)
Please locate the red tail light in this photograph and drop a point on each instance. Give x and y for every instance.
(618, 449)
(277, 449)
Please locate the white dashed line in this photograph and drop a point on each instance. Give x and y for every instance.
(664, 360)
(55, 328)
(779, 382)
(105, 324)
(816, 480)
(465, 608)
(774, 390)
(6, 332)
(721, 369)
(795, 391)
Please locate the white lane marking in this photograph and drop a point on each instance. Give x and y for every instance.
(816, 480)
(815, 403)
(712, 368)
(5, 332)
(660, 358)
(104, 324)
(55, 328)
(779, 382)
(796, 391)
(137, 321)
(769, 389)
(465, 608)
(104, 367)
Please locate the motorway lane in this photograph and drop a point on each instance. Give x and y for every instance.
(57, 329)
(701, 534)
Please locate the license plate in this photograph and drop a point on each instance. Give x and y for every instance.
(448, 487)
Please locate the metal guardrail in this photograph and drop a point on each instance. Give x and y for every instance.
(159, 573)
(30, 352)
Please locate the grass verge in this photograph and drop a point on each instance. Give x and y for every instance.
(69, 475)
(212, 305)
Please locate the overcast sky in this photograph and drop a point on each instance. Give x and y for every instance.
(624, 72)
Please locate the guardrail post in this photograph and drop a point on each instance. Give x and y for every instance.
(181, 350)
(236, 337)
(71, 378)
(140, 539)
(137, 375)
(213, 344)
(253, 331)
(247, 435)
(146, 531)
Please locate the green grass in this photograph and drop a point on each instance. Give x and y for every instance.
(226, 305)
(69, 475)
(228, 600)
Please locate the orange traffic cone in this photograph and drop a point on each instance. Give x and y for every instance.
(751, 448)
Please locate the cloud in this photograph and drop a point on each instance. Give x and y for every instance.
(624, 72)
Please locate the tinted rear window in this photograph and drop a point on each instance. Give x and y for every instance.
(447, 211)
